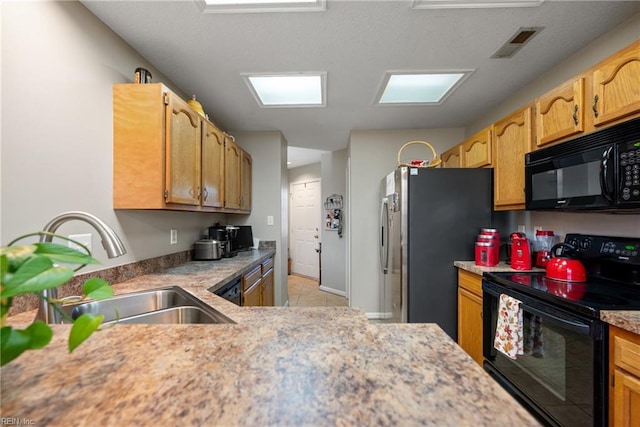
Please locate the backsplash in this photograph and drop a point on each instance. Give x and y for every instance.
(624, 225)
(112, 275)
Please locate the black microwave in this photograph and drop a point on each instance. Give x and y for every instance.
(597, 171)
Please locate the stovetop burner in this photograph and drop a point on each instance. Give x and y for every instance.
(613, 266)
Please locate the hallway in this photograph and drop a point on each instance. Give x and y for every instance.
(304, 292)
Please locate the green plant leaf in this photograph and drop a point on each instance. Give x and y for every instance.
(17, 341)
(4, 267)
(5, 305)
(82, 329)
(64, 254)
(16, 255)
(35, 275)
(97, 289)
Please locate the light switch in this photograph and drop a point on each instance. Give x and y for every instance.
(270, 220)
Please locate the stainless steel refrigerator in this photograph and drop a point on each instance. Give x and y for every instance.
(428, 219)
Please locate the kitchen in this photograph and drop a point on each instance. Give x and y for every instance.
(82, 62)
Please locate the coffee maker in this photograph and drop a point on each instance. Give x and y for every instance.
(221, 234)
(520, 251)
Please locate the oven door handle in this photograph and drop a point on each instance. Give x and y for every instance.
(580, 328)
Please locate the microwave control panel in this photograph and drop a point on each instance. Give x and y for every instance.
(629, 168)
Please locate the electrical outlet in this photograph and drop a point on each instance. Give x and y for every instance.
(173, 236)
(270, 220)
(84, 239)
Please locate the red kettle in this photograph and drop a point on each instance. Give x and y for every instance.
(564, 266)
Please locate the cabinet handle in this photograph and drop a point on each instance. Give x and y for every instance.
(575, 115)
(594, 106)
(206, 194)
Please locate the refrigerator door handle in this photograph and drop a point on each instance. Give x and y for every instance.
(384, 235)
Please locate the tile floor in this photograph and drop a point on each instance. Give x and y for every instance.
(305, 292)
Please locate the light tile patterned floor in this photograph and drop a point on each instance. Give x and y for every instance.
(305, 292)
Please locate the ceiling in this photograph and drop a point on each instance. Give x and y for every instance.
(355, 43)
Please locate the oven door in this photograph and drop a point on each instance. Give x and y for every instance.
(581, 180)
(561, 376)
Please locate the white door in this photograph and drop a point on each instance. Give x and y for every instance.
(305, 226)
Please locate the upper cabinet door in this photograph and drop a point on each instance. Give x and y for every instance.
(560, 112)
(476, 151)
(232, 180)
(512, 139)
(246, 164)
(212, 166)
(451, 158)
(182, 176)
(616, 86)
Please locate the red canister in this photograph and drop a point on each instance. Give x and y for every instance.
(494, 235)
(486, 254)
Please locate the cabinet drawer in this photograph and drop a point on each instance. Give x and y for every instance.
(250, 278)
(266, 265)
(470, 281)
(627, 354)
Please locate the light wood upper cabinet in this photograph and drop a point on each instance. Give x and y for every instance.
(246, 165)
(604, 95)
(616, 86)
(476, 151)
(560, 112)
(452, 157)
(167, 156)
(513, 138)
(212, 166)
(232, 181)
(182, 152)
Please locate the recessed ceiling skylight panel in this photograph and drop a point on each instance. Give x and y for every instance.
(420, 87)
(288, 90)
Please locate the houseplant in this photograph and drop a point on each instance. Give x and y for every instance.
(31, 268)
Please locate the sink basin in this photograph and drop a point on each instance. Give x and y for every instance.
(170, 305)
(177, 315)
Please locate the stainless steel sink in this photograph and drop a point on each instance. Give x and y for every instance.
(158, 306)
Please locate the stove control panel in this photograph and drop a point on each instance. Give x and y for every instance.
(621, 249)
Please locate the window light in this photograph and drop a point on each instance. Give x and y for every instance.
(288, 90)
(250, 6)
(420, 87)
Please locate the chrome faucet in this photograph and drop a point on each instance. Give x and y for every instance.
(110, 241)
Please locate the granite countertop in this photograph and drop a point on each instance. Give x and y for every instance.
(276, 366)
(478, 269)
(628, 320)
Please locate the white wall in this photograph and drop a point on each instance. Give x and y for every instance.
(305, 173)
(59, 63)
(373, 154)
(269, 155)
(334, 168)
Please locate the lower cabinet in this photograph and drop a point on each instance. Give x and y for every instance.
(258, 285)
(624, 383)
(470, 314)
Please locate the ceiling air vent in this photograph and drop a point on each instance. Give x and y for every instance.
(515, 43)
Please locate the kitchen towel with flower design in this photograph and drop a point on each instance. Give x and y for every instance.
(509, 328)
